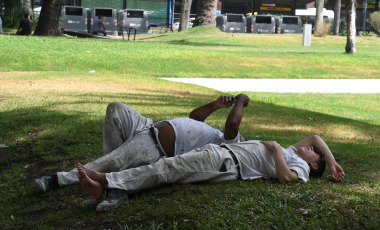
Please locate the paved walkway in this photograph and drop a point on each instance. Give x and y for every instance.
(286, 85)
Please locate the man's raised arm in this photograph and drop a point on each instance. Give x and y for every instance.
(231, 128)
(202, 112)
(337, 172)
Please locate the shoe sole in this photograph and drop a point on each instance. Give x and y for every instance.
(110, 205)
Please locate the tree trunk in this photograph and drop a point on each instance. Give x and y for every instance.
(364, 16)
(206, 13)
(337, 7)
(185, 15)
(319, 17)
(48, 23)
(351, 28)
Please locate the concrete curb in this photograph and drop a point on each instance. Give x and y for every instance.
(286, 85)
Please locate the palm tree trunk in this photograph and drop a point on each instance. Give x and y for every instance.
(206, 13)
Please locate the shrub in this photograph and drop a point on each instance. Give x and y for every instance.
(13, 16)
(370, 34)
(374, 21)
(34, 17)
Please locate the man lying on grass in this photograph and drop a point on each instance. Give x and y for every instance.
(246, 160)
(131, 140)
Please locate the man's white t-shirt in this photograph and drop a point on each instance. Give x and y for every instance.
(191, 134)
(256, 161)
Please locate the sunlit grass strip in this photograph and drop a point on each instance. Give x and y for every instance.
(194, 53)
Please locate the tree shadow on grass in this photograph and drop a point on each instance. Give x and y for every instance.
(49, 132)
(45, 140)
(185, 42)
(44, 134)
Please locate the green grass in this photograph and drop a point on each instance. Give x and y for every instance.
(189, 54)
(52, 111)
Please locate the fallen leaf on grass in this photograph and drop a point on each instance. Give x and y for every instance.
(303, 211)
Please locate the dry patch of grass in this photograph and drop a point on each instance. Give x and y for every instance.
(85, 83)
(10, 75)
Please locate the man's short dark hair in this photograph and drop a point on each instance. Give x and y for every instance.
(321, 164)
(26, 15)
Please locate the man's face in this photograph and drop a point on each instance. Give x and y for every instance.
(307, 154)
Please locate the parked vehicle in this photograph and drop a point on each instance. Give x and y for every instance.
(232, 23)
(261, 24)
(288, 24)
(134, 18)
(110, 19)
(74, 19)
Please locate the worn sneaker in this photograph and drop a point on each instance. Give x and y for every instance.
(46, 183)
(91, 203)
(114, 199)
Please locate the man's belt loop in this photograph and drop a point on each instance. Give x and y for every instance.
(156, 141)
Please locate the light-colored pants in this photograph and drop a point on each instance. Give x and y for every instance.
(127, 143)
(121, 124)
(202, 164)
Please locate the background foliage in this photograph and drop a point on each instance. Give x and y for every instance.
(374, 21)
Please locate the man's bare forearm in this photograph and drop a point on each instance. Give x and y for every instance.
(336, 171)
(317, 141)
(231, 128)
(283, 172)
(202, 112)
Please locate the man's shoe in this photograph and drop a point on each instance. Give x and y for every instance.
(46, 183)
(114, 199)
(91, 203)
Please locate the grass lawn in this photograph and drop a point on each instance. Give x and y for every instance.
(52, 110)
